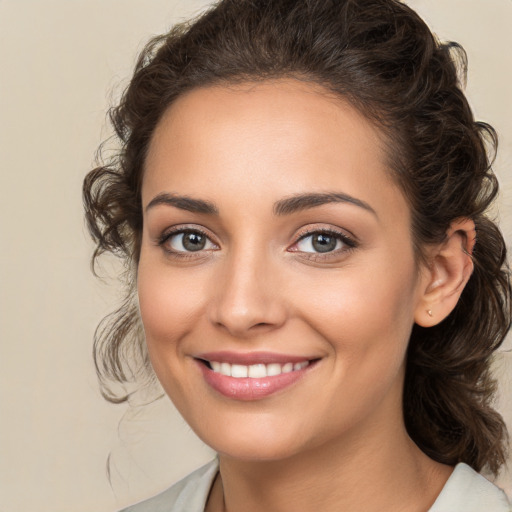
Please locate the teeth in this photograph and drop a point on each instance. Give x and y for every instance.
(239, 371)
(273, 369)
(256, 371)
(287, 368)
(225, 369)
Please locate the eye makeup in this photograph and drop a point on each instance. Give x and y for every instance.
(198, 243)
(188, 242)
(322, 238)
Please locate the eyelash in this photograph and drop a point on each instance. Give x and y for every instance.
(166, 236)
(348, 242)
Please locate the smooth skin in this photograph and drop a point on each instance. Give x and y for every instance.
(334, 440)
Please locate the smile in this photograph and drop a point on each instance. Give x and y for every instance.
(256, 371)
(249, 377)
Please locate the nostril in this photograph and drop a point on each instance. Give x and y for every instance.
(245, 314)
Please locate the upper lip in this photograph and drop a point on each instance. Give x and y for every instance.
(249, 358)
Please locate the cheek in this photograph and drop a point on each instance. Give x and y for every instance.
(365, 313)
(170, 302)
(170, 306)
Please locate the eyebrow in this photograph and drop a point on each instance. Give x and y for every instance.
(301, 202)
(282, 207)
(184, 203)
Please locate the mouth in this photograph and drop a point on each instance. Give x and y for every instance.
(255, 371)
(253, 376)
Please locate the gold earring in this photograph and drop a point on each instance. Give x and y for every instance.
(429, 311)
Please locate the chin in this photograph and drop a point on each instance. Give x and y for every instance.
(261, 452)
(256, 443)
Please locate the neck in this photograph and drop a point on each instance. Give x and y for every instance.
(371, 470)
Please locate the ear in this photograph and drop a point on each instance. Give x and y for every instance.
(450, 267)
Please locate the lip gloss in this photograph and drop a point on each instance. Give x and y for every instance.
(250, 388)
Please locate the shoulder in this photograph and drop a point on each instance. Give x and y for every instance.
(468, 491)
(187, 495)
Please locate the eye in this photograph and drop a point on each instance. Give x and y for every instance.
(187, 241)
(319, 242)
(322, 241)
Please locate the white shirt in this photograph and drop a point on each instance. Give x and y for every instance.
(465, 491)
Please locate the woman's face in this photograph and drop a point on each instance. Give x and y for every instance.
(277, 280)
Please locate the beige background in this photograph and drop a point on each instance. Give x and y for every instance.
(59, 62)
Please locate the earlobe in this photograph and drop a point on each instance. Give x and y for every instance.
(449, 271)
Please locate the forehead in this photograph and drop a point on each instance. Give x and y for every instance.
(266, 139)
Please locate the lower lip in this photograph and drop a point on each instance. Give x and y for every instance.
(249, 389)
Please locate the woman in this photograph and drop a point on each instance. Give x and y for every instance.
(300, 199)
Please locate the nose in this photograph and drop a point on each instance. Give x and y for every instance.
(247, 298)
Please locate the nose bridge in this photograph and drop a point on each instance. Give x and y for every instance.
(247, 297)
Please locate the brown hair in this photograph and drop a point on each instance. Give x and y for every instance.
(382, 58)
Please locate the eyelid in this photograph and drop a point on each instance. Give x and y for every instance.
(179, 229)
(349, 241)
(344, 234)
